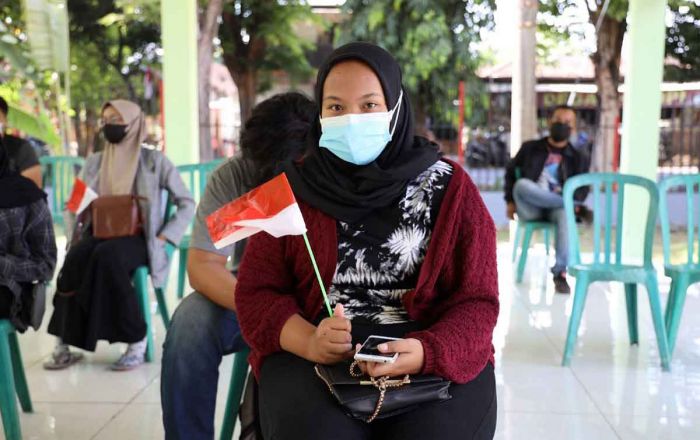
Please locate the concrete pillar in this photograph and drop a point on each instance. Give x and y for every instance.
(179, 34)
(642, 108)
(523, 110)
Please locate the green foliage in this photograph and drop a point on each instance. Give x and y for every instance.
(112, 41)
(435, 43)
(259, 37)
(617, 9)
(683, 41)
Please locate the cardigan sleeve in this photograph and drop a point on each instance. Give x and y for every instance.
(264, 293)
(458, 344)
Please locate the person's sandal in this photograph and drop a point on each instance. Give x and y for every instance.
(128, 361)
(63, 360)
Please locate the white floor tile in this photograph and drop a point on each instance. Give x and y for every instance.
(546, 426)
(656, 427)
(138, 421)
(62, 421)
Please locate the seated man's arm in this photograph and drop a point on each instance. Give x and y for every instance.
(210, 277)
(206, 265)
(33, 173)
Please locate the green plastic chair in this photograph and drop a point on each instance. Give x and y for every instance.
(195, 178)
(12, 380)
(235, 394)
(607, 266)
(524, 230)
(140, 282)
(60, 171)
(687, 272)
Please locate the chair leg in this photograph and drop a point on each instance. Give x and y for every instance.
(141, 285)
(516, 242)
(523, 254)
(162, 307)
(235, 392)
(575, 319)
(20, 379)
(181, 272)
(8, 404)
(674, 309)
(655, 305)
(670, 302)
(546, 240)
(631, 300)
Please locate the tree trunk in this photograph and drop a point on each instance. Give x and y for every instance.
(606, 60)
(79, 133)
(523, 111)
(130, 87)
(91, 129)
(247, 84)
(209, 28)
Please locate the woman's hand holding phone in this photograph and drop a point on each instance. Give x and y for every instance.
(410, 360)
(331, 342)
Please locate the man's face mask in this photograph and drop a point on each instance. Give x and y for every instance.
(560, 131)
(359, 138)
(114, 133)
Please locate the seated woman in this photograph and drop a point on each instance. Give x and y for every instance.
(27, 246)
(95, 298)
(407, 248)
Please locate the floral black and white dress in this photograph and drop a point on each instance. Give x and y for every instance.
(379, 259)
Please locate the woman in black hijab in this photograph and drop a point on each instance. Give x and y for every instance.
(27, 244)
(347, 191)
(406, 249)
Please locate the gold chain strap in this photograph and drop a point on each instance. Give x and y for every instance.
(381, 383)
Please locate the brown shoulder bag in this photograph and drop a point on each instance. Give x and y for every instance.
(116, 216)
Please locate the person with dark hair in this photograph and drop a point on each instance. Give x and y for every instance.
(204, 327)
(22, 157)
(405, 248)
(27, 246)
(535, 178)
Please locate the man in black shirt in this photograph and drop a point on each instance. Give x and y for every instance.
(535, 178)
(22, 156)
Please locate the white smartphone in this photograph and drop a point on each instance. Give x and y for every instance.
(369, 352)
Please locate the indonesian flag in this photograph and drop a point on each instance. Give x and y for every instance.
(270, 207)
(81, 197)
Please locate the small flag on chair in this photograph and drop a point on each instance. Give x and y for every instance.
(81, 197)
(271, 208)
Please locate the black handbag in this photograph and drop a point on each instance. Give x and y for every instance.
(367, 398)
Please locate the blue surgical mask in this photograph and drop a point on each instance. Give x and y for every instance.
(358, 138)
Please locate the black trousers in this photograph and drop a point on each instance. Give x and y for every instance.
(295, 404)
(104, 305)
(6, 300)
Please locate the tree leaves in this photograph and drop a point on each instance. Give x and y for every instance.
(434, 41)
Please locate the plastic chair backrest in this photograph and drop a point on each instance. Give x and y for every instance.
(602, 232)
(690, 183)
(195, 176)
(61, 172)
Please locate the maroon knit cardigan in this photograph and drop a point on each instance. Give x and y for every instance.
(456, 295)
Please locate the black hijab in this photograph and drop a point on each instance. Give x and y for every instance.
(349, 192)
(15, 189)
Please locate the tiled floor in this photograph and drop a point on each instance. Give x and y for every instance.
(611, 391)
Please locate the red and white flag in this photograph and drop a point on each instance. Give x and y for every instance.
(81, 197)
(271, 207)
